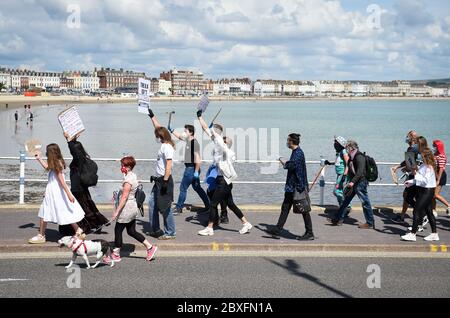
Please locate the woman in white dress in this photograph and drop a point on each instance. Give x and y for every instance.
(59, 205)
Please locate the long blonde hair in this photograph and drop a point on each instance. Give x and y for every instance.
(428, 158)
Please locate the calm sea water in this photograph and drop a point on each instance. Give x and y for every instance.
(113, 130)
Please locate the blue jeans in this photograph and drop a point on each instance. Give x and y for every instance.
(169, 221)
(360, 189)
(186, 182)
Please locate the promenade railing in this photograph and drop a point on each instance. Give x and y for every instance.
(321, 181)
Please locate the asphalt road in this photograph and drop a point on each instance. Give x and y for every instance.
(230, 277)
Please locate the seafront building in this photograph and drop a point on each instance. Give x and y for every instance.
(185, 82)
(192, 83)
(232, 87)
(118, 80)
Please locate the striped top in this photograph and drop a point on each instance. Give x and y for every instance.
(441, 161)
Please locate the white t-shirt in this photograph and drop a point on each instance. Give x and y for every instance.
(165, 153)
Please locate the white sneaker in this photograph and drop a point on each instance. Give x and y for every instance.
(425, 221)
(207, 231)
(432, 237)
(246, 228)
(435, 214)
(420, 229)
(448, 211)
(38, 239)
(411, 237)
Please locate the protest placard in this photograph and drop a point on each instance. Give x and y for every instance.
(32, 147)
(203, 104)
(71, 122)
(143, 96)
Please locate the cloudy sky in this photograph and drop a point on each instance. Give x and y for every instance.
(283, 39)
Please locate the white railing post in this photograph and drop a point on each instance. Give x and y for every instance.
(22, 178)
(322, 182)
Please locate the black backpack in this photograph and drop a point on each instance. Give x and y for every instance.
(88, 173)
(371, 169)
(140, 198)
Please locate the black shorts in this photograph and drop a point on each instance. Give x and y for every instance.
(443, 180)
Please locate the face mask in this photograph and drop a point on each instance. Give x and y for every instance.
(124, 170)
(337, 147)
(415, 147)
(184, 135)
(288, 145)
(435, 150)
(407, 140)
(158, 140)
(419, 157)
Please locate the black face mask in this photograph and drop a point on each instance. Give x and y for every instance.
(338, 147)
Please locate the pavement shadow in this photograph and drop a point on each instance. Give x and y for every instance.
(348, 220)
(80, 262)
(391, 230)
(202, 219)
(51, 235)
(264, 227)
(443, 224)
(295, 269)
(145, 225)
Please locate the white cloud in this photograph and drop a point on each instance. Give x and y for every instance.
(297, 39)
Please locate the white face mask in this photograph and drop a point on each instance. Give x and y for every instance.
(158, 140)
(184, 135)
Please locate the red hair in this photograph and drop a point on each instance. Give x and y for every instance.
(128, 162)
(440, 146)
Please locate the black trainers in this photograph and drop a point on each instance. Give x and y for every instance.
(274, 231)
(156, 234)
(337, 222)
(306, 237)
(224, 219)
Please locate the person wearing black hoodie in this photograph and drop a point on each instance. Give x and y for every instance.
(93, 219)
(357, 186)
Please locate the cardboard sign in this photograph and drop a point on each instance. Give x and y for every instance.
(71, 122)
(32, 147)
(143, 96)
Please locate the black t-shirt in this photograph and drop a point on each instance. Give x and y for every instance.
(190, 149)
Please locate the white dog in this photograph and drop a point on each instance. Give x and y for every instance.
(79, 247)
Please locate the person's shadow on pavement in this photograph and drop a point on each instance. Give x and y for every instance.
(266, 228)
(294, 268)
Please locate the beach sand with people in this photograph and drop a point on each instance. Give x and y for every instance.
(17, 101)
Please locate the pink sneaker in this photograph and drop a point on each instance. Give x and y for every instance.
(151, 253)
(107, 260)
(116, 257)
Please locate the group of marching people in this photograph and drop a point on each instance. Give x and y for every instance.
(76, 213)
(425, 177)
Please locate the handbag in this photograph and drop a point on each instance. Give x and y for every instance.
(302, 202)
(140, 198)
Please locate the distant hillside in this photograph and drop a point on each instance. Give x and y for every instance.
(438, 83)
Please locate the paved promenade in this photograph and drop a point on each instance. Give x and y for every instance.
(19, 223)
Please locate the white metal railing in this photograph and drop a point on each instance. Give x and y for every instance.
(322, 183)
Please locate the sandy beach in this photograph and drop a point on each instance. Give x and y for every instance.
(17, 101)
